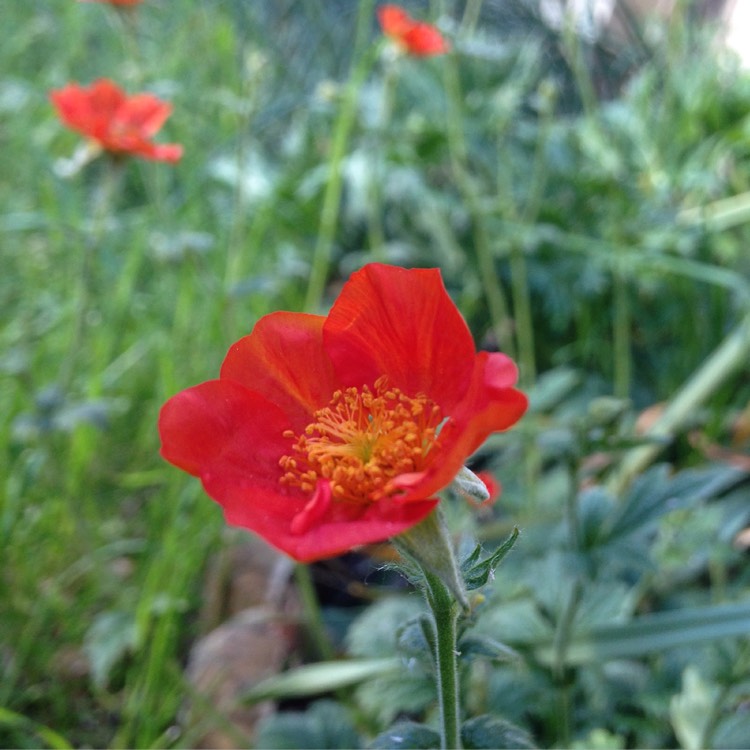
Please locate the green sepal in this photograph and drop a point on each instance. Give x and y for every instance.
(477, 572)
(430, 546)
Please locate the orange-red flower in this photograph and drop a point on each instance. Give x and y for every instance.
(325, 433)
(415, 37)
(118, 123)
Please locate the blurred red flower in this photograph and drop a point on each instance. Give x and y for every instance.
(325, 433)
(113, 2)
(415, 37)
(493, 486)
(120, 124)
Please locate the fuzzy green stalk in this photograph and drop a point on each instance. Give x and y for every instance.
(445, 613)
(342, 130)
(492, 288)
(428, 550)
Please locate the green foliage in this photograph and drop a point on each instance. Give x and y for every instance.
(406, 734)
(603, 240)
(324, 726)
(477, 572)
(489, 732)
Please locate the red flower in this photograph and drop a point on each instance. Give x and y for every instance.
(120, 124)
(415, 37)
(325, 433)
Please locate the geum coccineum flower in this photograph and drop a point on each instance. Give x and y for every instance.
(325, 433)
(415, 37)
(115, 122)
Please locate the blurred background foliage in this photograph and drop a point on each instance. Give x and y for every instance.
(586, 194)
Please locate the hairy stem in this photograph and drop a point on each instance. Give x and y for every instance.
(445, 613)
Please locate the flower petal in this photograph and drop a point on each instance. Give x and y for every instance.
(394, 20)
(283, 359)
(490, 405)
(275, 517)
(123, 125)
(221, 426)
(400, 323)
(143, 113)
(424, 40)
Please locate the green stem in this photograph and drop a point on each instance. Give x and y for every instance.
(242, 245)
(730, 356)
(493, 291)
(522, 314)
(621, 336)
(342, 130)
(313, 615)
(101, 210)
(471, 17)
(445, 612)
(573, 51)
(375, 231)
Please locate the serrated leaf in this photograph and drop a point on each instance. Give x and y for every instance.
(491, 732)
(406, 734)
(476, 574)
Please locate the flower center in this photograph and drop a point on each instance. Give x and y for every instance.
(361, 441)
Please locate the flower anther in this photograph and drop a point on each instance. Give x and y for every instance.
(361, 442)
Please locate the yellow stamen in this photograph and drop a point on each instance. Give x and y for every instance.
(361, 441)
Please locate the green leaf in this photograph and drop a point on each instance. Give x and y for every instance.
(407, 734)
(656, 493)
(732, 732)
(551, 388)
(690, 711)
(476, 574)
(376, 631)
(490, 732)
(656, 632)
(110, 637)
(325, 724)
(383, 699)
(48, 736)
(312, 679)
(415, 637)
(482, 646)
